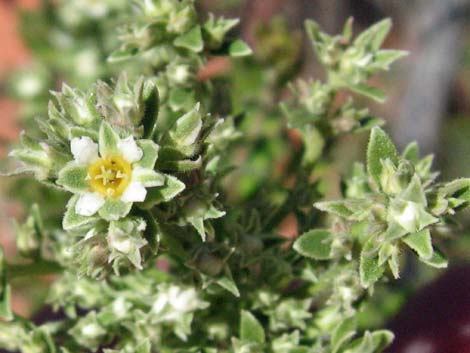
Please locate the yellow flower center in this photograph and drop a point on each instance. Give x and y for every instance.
(110, 176)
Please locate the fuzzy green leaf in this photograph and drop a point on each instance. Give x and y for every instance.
(108, 140)
(314, 144)
(165, 193)
(373, 37)
(437, 260)
(369, 268)
(414, 192)
(411, 152)
(421, 243)
(123, 53)
(227, 283)
(250, 328)
(186, 129)
(315, 244)
(114, 209)
(151, 107)
(369, 92)
(459, 188)
(150, 153)
(73, 177)
(239, 49)
(191, 40)
(5, 303)
(342, 334)
(5, 290)
(350, 209)
(380, 147)
(384, 58)
(148, 177)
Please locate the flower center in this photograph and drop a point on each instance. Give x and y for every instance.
(110, 176)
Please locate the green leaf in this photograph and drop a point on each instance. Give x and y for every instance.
(350, 209)
(373, 37)
(123, 53)
(181, 166)
(181, 98)
(143, 347)
(78, 131)
(313, 31)
(227, 283)
(384, 58)
(369, 92)
(367, 123)
(151, 107)
(315, 244)
(152, 231)
(344, 332)
(148, 177)
(150, 154)
(414, 192)
(73, 177)
(239, 49)
(411, 152)
(186, 129)
(108, 140)
(369, 268)
(374, 342)
(250, 329)
(114, 209)
(198, 224)
(191, 40)
(72, 220)
(165, 193)
(421, 243)
(437, 260)
(382, 339)
(380, 147)
(459, 188)
(5, 290)
(348, 29)
(314, 144)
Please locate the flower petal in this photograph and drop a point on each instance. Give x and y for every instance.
(129, 149)
(135, 192)
(148, 177)
(89, 203)
(84, 150)
(72, 220)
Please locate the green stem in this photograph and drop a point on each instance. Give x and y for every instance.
(39, 268)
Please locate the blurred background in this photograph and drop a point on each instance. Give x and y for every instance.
(428, 101)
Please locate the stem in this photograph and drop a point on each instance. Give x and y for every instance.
(39, 268)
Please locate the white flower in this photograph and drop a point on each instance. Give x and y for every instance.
(110, 175)
(173, 302)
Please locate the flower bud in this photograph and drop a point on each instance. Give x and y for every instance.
(251, 244)
(208, 263)
(393, 180)
(406, 214)
(181, 21)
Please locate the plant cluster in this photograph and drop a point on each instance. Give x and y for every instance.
(153, 253)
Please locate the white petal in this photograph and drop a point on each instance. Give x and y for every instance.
(89, 203)
(135, 192)
(129, 150)
(84, 150)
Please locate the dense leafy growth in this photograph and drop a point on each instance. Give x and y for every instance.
(162, 239)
